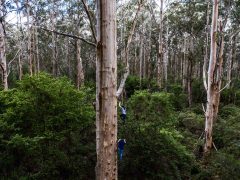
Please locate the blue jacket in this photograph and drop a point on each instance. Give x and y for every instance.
(121, 143)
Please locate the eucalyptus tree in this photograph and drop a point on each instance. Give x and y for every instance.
(3, 60)
(106, 82)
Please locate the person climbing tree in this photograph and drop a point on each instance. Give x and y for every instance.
(123, 112)
(121, 143)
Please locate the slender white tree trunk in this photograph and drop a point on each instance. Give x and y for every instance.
(148, 63)
(37, 51)
(184, 65)
(20, 41)
(206, 48)
(230, 60)
(211, 86)
(141, 59)
(54, 40)
(160, 49)
(3, 60)
(29, 36)
(80, 73)
(166, 56)
(106, 100)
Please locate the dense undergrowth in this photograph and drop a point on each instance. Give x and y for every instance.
(47, 131)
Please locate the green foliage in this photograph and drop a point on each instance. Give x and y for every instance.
(224, 166)
(220, 166)
(198, 92)
(46, 130)
(179, 99)
(227, 130)
(231, 95)
(151, 107)
(191, 125)
(154, 153)
(133, 84)
(153, 149)
(191, 121)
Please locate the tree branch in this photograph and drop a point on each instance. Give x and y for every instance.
(225, 86)
(122, 83)
(10, 62)
(69, 35)
(203, 109)
(90, 19)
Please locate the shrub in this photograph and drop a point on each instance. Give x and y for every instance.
(46, 130)
(151, 107)
(133, 84)
(154, 153)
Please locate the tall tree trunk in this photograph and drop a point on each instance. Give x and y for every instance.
(135, 61)
(160, 48)
(141, 58)
(106, 99)
(184, 65)
(34, 49)
(68, 58)
(230, 60)
(20, 41)
(206, 48)
(37, 50)
(211, 86)
(3, 60)
(190, 71)
(29, 31)
(166, 56)
(148, 59)
(54, 39)
(144, 62)
(80, 74)
(189, 80)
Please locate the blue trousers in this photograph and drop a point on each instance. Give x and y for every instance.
(120, 152)
(123, 117)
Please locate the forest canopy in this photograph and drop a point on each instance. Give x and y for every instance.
(139, 89)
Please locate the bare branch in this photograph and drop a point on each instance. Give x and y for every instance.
(69, 35)
(90, 19)
(203, 108)
(214, 146)
(122, 83)
(10, 62)
(225, 86)
(234, 33)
